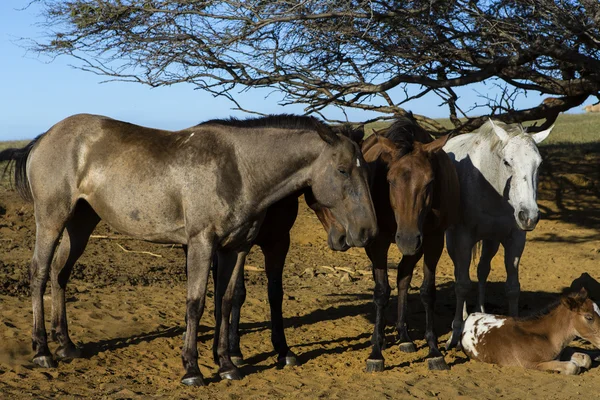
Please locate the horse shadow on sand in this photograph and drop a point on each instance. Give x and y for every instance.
(340, 306)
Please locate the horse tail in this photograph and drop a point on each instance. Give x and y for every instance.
(19, 158)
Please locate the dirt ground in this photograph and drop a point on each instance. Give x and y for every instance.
(126, 311)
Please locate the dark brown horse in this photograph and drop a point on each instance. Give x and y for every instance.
(206, 187)
(416, 196)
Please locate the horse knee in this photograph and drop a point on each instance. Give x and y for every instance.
(381, 295)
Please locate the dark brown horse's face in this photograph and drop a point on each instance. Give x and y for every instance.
(340, 186)
(411, 181)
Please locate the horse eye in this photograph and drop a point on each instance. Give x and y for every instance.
(506, 163)
(589, 318)
(343, 171)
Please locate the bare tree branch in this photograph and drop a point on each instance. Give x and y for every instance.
(345, 54)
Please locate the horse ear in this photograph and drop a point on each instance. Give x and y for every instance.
(570, 302)
(582, 294)
(502, 134)
(437, 144)
(540, 136)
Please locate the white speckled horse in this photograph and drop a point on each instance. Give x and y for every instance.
(498, 172)
(535, 342)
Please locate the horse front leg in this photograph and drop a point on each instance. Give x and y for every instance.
(199, 256)
(377, 253)
(513, 249)
(432, 248)
(275, 254)
(488, 251)
(405, 273)
(460, 244)
(230, 266)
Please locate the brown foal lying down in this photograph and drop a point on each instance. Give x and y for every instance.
(535, 342)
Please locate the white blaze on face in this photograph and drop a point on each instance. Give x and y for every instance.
(597, 309)
(477, 325)
(357, 163)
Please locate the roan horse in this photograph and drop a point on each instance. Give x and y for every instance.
(273, 239)
(415, 192)
(535, 342)
(205, 187)
(498, 172)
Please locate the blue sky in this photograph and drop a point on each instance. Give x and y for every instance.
(36, 93)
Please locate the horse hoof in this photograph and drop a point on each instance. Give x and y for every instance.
(408, 347)
(193, 380)
(67, 353)
(237, 360)
(44, 361)
(437, 364)
(232, 375)
(290, 360)
(375, 365)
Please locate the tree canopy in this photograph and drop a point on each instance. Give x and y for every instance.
(345, 53)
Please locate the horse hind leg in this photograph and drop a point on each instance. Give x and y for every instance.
(275, 254)
(77, 232)
(50, 223)
(488, 251)
(433, 246)
(239, 297)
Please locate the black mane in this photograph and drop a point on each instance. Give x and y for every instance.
(541, 312)
(282, 121)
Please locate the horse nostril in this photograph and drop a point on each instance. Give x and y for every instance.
(418, 242)
(522, 216)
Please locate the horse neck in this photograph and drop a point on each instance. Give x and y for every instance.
(280, 168)
(556, 326)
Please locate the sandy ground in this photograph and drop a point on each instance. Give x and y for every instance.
(126, 310)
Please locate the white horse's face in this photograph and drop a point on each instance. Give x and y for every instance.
(519, 164)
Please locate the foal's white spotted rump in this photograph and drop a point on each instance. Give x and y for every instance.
(477, 325)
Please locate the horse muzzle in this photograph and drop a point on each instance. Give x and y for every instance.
(409, 244)
(527, 220)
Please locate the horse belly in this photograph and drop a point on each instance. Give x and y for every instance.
(140, 211)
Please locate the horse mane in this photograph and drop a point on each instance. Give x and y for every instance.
(405, 131)
(486, 132)
(541, 312)
(281, 121)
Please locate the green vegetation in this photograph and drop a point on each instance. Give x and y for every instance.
(569, 129)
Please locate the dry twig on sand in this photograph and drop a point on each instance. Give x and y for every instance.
(139, 252)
